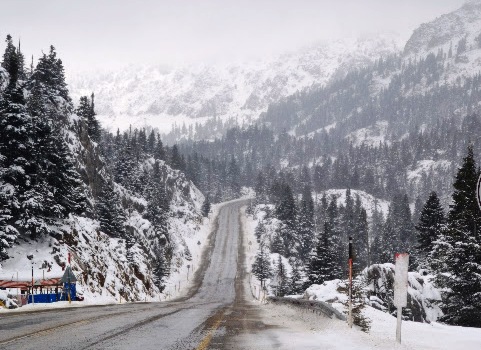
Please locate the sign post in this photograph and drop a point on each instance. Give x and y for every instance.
(400, 288)
(33, 297)
(350, 282)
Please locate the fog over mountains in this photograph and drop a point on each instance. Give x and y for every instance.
(159, 97)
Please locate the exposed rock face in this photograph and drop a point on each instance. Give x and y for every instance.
(90, 164)
(447, 30)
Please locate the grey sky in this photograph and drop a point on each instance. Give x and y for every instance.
(109, 33)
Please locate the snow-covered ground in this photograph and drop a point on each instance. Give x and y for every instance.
(292, 327)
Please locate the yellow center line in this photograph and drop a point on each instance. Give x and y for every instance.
(207, 339)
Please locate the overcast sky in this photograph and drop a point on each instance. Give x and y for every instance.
(110, 33)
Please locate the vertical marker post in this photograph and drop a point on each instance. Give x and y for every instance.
(33, 298)
(350, 282)
(400, 288)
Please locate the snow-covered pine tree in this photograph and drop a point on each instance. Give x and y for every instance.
(361, 240)
(322, 265)
(50, 73)
(69, 190)
(286, 212)
(297, 276)
(337, 245)
(86, 110)
(10, 58)
(458, 249)
(206, 207)
(398, 230)
(159, 151)
(283, 281)
(109, 213)
(260, 230)
(305, 224)
(377, 245)
(56, 177)
(348, 218)
(160, 269)
(125, 166)
(261, 268)
(17, 148)
(175, 159)
(8, 233)
(157, 211)
(233, 178)
(431, 221)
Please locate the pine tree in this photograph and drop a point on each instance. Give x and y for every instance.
(286, 212)
(50, 72)
(261, 268)
(8, 233)
(377, 231)
(305, 224)
(322, 264)
(176, 160)
(283, 282)
(157, 211)
(337, 240)
(206, 207)
(110, 214)
(260, 230)
(159, 151)
(431, 222)
(458, 249)
(10, 59)
(86, 111)
(297, 277)
(20, 169)
(160, 268)
(69, 194)
(361, 240)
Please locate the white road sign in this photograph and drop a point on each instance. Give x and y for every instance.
(401, 280)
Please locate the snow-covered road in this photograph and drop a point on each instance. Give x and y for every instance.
(219, 312)
(190, 323)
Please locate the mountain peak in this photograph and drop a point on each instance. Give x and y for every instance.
(446, 31)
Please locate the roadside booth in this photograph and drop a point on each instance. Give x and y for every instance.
(44, 290)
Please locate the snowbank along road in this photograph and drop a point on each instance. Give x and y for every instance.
(214, 312)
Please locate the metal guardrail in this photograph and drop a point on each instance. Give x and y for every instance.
(314, 305)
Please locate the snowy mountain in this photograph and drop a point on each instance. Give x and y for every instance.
(60, 193)
(160, 96)
(446, 31)
(457, 35)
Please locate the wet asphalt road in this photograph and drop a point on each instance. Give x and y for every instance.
(211, 317)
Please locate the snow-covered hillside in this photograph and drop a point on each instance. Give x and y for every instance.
(457, 34)
(100, 261)
(137, 258)
(160, 96)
